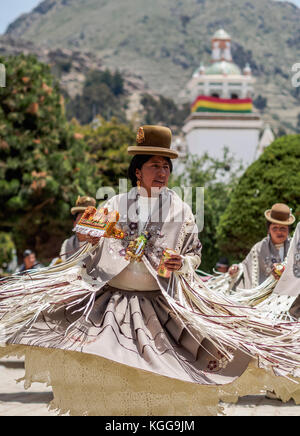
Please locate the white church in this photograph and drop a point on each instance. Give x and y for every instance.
(222, 113)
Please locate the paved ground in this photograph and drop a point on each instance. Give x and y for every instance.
(15, 401)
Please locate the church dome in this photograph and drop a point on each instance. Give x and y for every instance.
(222, 35)
(223, 67)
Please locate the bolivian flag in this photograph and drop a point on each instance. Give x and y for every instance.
(214, 104)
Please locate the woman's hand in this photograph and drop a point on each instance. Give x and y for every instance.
(81, 237)
(174, 263)
(277, 270)
(233, 270)
(87, 238)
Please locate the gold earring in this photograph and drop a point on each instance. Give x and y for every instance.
(139, 185)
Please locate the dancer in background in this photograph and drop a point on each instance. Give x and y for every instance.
(272, 250)
(71, 246)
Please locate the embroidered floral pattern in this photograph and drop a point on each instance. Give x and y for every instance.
(268, 264)
(218, 364)
(212, 366)
(156, 244)
(296, 266)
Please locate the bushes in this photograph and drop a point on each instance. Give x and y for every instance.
(107, 143)
(103, 94)
(273, 178)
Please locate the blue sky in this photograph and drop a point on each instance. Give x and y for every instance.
(11, 9)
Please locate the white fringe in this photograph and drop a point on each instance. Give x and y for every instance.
(230, 326)
(274, 307)
(24, 297)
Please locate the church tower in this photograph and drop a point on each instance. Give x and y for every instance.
(222, 112)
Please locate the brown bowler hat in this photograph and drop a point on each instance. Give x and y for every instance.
(154, 140)
(82, 203)
(280, 214)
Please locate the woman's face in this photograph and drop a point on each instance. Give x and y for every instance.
(279, 233)
(154, 174)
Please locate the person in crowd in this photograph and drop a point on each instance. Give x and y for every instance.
(222, 266)
(71, 245)
(263, 257)
(30, 262)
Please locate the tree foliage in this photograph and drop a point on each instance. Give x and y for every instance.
(273, 178)
(103, 94)
(107, 143)
(43, 163)
(260, 102)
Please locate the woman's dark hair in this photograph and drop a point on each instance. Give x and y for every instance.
(136, 164)
(27, 253)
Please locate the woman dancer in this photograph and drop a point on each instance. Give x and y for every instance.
(116, 331)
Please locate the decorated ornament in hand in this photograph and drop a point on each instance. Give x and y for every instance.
(99, 223)
(162, 269)
(136, 249)
(279, 269)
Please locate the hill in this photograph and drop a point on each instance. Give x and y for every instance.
(163, 42)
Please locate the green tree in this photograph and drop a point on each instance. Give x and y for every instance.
(273, 178)
(260, 102)
(103, 94)
(43, 162)
(107, 142)
(218, 177)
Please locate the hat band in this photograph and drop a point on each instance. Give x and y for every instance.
(280, 216)
(167, 147)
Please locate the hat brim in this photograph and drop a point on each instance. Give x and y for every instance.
(289, 222)
(78, 209)
(154, 151)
